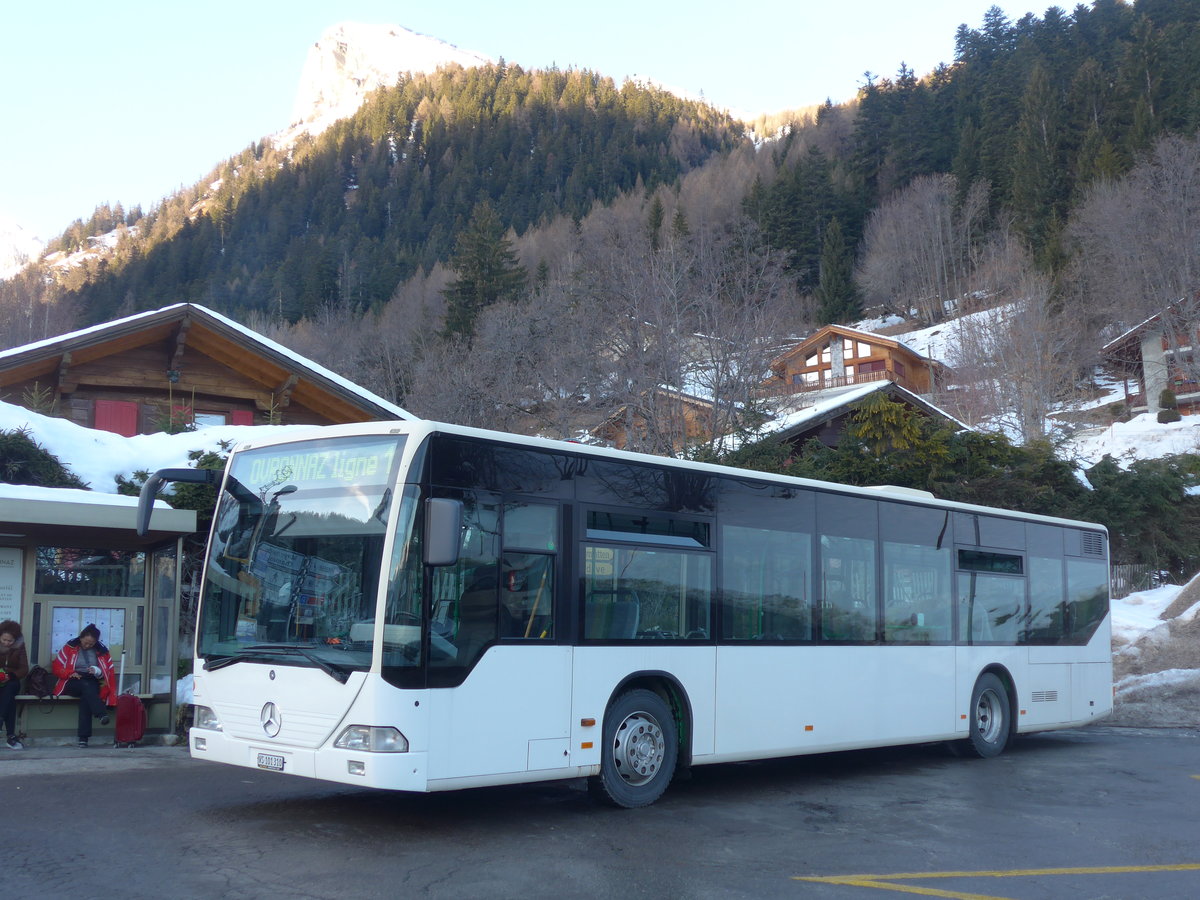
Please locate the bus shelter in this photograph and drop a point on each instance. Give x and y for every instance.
(69, 558)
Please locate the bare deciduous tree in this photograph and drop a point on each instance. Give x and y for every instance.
(918, 247)
(1016, 362)
(1137, 240)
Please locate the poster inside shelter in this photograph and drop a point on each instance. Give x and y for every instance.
(11, 565)
(68, 621)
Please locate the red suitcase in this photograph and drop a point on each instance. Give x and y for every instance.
(131, 720)
(131, 715)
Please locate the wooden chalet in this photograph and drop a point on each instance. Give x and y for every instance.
(827, 418)
(1159, 354)
(837, 356)
(688, 418)
(180, 366)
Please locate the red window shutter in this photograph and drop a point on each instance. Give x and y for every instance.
(118, 416)
(243, 417)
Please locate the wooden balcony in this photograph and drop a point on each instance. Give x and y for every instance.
(777, 387)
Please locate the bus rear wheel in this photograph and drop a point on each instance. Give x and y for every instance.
(990, 717)
(640, 749)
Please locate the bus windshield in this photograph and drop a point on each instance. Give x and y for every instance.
(295, 555)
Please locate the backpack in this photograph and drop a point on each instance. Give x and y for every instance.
(40, 683)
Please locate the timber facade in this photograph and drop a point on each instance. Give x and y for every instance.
(178, 367)
(837, 356)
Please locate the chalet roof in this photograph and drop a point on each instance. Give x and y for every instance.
(830, 405)
(682, 397)
(189, 325)
(821, 335)
(1136, 330)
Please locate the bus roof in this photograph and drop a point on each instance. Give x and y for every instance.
(420, 429)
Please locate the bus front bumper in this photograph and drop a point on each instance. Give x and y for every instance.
(390, 771)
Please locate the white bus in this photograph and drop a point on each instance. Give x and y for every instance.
(425, 607)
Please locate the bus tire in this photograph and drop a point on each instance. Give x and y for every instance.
(990, 718)
(640, 749)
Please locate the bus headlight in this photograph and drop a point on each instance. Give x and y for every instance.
(373, 739)
(203, 717)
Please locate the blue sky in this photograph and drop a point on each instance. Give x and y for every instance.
(130, 100)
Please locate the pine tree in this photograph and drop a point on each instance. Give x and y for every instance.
(486, 270)
(1036, 181)
(837, 296)
(654, 223)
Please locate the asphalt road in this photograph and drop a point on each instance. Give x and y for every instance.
(1101, 812)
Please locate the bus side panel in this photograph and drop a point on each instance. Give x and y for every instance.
(775, 701)
(510, 715)
(1044, 693)
(1091, 691)
(598, 671)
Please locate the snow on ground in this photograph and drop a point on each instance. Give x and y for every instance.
(99, 456)
(1142, 437)
(1156, 661)
(1139, 613)
(941, 341)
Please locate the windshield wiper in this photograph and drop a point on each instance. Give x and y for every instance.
(337, 672)
(221, 662)
(266, 651)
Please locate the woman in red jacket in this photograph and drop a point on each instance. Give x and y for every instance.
(84, 670)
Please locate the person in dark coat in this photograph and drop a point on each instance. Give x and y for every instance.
(14, 666)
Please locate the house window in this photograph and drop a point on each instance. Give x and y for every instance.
(209, 420)
(864, 349)
(899, 368)
(812, 360)
(118, 416)
(847, 348)
(242, 417)
(825, 354)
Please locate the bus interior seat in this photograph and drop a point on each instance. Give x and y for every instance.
(612, 614)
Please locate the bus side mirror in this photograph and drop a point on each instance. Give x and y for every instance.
(154, 484)
(443, 531)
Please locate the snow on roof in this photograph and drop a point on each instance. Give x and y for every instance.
(97, 457)
(795, 419)
(251, 335)
(69, 495)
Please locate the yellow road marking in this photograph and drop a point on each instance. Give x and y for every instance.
(887, 882)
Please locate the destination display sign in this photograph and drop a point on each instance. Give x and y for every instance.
(363, 461)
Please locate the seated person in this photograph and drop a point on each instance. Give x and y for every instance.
(14, 666)
(84, 669)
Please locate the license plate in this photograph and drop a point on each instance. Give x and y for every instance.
(270, 761)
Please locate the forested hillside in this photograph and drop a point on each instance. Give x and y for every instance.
(351, 214)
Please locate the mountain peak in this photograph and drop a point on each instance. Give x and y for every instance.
(18, 247)
(351, 59)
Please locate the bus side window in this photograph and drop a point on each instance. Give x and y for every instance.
(765, 583)
(527, 596)
(466, 595)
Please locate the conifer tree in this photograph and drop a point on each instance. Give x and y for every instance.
(654, 223)
(486, 271)
(837, 297)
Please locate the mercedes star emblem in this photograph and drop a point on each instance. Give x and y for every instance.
(270, 719)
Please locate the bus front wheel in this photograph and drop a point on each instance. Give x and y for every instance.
(641, 746)
(990, 717)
